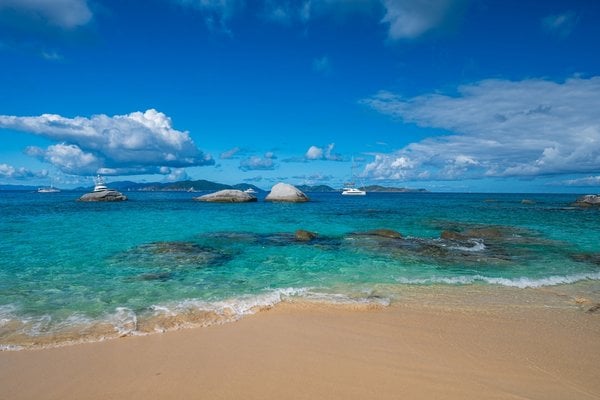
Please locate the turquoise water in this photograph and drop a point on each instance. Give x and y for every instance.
(72, 271)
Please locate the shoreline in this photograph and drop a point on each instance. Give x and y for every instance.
(448, 344)
(580, 295)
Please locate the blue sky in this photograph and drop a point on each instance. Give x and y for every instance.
(448, 95)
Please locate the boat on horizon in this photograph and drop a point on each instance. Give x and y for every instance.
(349, 189)
(48, 189)
(250, 191)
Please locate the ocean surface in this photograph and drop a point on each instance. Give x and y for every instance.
(74, 272)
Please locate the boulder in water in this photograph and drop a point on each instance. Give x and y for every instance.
(104, 195)
(227, 196)
(286, 193)
(589, 200)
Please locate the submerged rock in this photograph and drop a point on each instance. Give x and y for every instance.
(387, 233)
(592, 258)
(304, 236)
(169, 255)
(590, 200)
(286, 193)
(227, 196)
(451, 235)
(104, 195)
(153, 276)
(527, 201)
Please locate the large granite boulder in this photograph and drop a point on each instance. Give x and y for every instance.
(104, 195)
(286, 192)
(589, 200)
(227, 196)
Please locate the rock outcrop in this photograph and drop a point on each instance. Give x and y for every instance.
(227, 196)
(304, 236)
(590, 200)
(286, 193)
(104, 195)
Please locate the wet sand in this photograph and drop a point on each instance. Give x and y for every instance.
(546, 349)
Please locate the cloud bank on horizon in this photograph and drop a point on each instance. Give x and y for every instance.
(496, 128)
(132, 144)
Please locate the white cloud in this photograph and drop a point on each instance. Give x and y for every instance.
(255, 163)
(409, 19)
(314, 153)
(319, 153)
(587, 181)
(560, 24)
(229, 153)
(496, 128)
(177, 174)
(132, 143)
(10, 172)
(67, 14)
(69, 158)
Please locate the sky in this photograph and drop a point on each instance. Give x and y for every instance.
(446, 95)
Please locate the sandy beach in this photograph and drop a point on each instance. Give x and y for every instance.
(547, 349)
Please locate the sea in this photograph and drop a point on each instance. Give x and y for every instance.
(73, 272)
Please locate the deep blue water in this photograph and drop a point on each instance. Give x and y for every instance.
(74, 271)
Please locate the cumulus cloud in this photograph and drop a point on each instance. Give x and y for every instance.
(177, 174)
(320, 153)
(66, 14)
(496, 128)
(409, 19)
(561, 24)
(125, 144)
(69, 158)
(10, 172)
(255, 163)
(314, 153)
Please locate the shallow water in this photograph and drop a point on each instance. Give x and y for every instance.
(74, 271)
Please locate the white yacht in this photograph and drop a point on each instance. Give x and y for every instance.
(250, 191)
(49, 189)
(352, 191)
(100, 184)
(349, 189)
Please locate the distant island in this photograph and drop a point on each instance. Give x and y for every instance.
(370, 188)
(204, 185)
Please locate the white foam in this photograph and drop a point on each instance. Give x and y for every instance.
(477, 246)
(521, 282)
(124, 320)
(232, 308)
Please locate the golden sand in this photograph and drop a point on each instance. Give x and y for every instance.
(547, 349)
